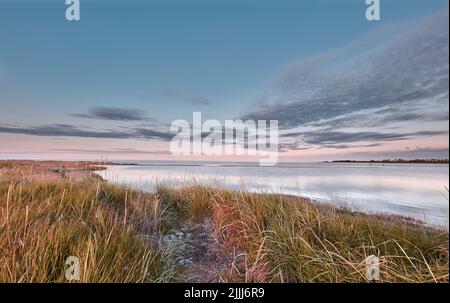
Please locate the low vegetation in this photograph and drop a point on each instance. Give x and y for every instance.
(116, 233)
(289, 239)
(43, 223)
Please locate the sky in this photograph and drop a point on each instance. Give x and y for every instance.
(110, 85)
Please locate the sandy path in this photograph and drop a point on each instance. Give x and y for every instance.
(202, 257)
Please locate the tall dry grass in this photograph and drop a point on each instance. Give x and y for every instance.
(288, 239)
(106, 227)
(116, 231)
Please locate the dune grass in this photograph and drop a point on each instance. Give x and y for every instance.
(4, 165)
(43, 223)
(115, 232)
(288, 239)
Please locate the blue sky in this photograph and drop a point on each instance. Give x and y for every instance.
(169, 58)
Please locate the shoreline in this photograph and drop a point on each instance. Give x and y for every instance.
(55, 170)
(414, 209)
(395, 161)
(179, 163)
(326, 203)
(81, 170)
(200, 234)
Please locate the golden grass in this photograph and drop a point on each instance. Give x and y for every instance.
(43, 223)
(289, 239)
(115, 232)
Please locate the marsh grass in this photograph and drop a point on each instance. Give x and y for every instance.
(43, 223)
(6, 165)
(115, 232)
(287, 239)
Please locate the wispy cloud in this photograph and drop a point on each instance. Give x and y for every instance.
(114, 114)
(65, 130)
(396, 76)
(120, 151)
(200, 101)
(345, 140)
(177, 96)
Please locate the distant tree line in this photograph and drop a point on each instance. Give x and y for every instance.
(396, 161)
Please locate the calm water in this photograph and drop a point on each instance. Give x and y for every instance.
(412, 190)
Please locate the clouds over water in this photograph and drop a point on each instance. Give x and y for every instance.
(387, 86)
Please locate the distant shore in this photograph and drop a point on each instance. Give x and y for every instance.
(55, 170)
(395, 161)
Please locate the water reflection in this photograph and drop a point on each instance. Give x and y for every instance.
(412, 190)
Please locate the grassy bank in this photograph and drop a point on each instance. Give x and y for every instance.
(43, 223)
(116, 233)
(293, 240)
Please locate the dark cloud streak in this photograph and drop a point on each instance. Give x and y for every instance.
(114, 114)
(346, 140)
(125, 151)
(64, 130)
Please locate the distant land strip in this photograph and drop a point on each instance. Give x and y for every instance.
(415, 161)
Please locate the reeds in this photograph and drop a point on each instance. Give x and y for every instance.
(115, 233)
(43, 223)
(287, 239)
